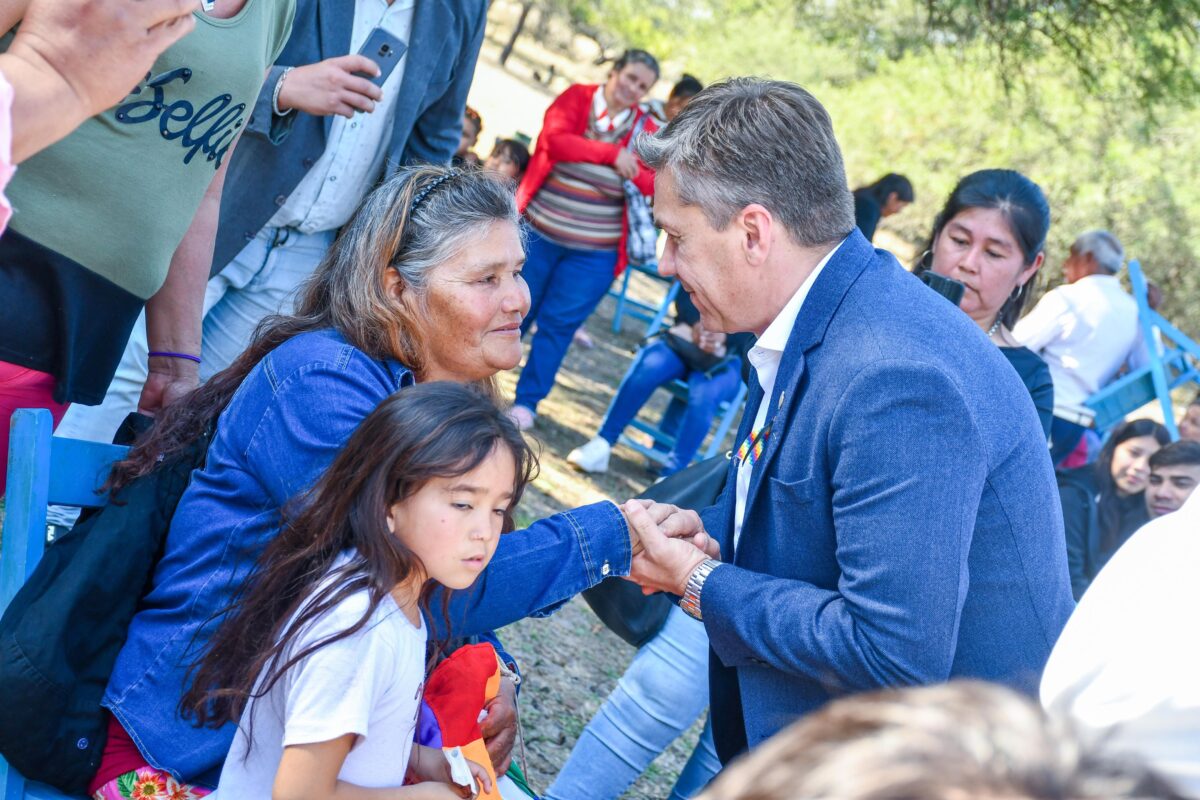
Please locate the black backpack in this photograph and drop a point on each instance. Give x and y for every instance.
(60, 636)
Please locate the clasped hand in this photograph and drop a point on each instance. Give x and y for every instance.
(668, 543)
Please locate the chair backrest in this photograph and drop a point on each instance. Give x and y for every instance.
(42, 469)
(1172, 359)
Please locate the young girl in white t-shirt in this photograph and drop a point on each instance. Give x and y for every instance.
(322, 658)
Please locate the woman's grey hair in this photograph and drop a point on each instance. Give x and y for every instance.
(960, 740)
(414, 221)
(1104, 247)
(749, 140)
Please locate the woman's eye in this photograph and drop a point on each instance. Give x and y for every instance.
(994, 254)
(959, 241)
(462, 506)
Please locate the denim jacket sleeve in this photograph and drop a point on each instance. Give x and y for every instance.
(536, 570)
(311, 415)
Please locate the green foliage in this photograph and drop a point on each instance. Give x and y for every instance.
(1093, 100)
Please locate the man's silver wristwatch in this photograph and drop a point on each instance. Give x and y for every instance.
(690, 602)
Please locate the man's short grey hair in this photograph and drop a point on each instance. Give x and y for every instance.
(748, 140)
(1104, 247)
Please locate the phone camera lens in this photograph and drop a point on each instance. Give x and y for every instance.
(385, 49)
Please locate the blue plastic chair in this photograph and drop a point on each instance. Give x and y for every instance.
(631, 307)
(42, 469)
(1173, 360)
(663, 439)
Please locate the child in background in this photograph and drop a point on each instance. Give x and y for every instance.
(510, 158)
(472, 126)
(1189, 423)
(322, 658)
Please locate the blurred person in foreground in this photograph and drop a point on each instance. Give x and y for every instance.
(1125, 666)
(1174, 475)
(964, 740)
(889, 517)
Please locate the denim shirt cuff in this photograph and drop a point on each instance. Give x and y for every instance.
(603, 537)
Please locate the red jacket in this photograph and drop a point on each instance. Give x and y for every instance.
(562, 139)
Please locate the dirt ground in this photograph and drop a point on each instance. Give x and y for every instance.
(570, 661)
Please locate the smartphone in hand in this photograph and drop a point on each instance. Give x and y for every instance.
(386, 50)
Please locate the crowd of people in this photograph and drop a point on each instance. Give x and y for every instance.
(301, 270)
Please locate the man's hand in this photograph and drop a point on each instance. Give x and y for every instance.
(626, 164)
(665, 562)
(100, 48)
(169, 380)
(499, 727)
(331, 87)
(710, 341)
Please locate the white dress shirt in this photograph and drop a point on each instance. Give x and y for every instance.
(765, 356)
(1126, 668)
(1084, 331)
(328, 195)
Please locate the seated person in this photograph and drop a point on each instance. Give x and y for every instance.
(1103, 503)
(958, 740)
(711, 381)
(1085, 331)
(883, 198)
(1189, 423)
(422, 285)
(510, 158)
(1174, 475)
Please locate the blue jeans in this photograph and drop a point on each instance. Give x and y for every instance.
(656, 365)
(565, 286)
(660, 695)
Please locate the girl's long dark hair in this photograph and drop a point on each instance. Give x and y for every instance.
(1022, 203)
(1108, 506)
(422, 432)
(347, 293)
(891, 183)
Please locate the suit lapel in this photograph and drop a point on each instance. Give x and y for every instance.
(432, 19)
(335, 22)
(817, 311)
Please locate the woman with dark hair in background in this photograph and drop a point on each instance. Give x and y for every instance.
(990, 237)
(1102, 503)
(886, 196)
(573, 195)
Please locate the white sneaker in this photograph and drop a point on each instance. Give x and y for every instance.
(592, 457)
(522, 417)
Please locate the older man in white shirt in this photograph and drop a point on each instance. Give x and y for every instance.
(1085, 330)
(1126, 665)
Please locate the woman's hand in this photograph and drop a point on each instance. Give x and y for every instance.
(499, 727)
(626, 164)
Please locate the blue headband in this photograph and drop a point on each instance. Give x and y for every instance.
(421, 195)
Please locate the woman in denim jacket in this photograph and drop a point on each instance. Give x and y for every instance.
(423, 284)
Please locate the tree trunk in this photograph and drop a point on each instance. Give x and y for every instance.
(520, 26)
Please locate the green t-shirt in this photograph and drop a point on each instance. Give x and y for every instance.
(118, 194)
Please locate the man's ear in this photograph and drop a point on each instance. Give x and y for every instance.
(757, 228)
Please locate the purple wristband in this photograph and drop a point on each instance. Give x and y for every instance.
(165, 354)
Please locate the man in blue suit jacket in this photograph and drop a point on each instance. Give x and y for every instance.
(890, 516)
